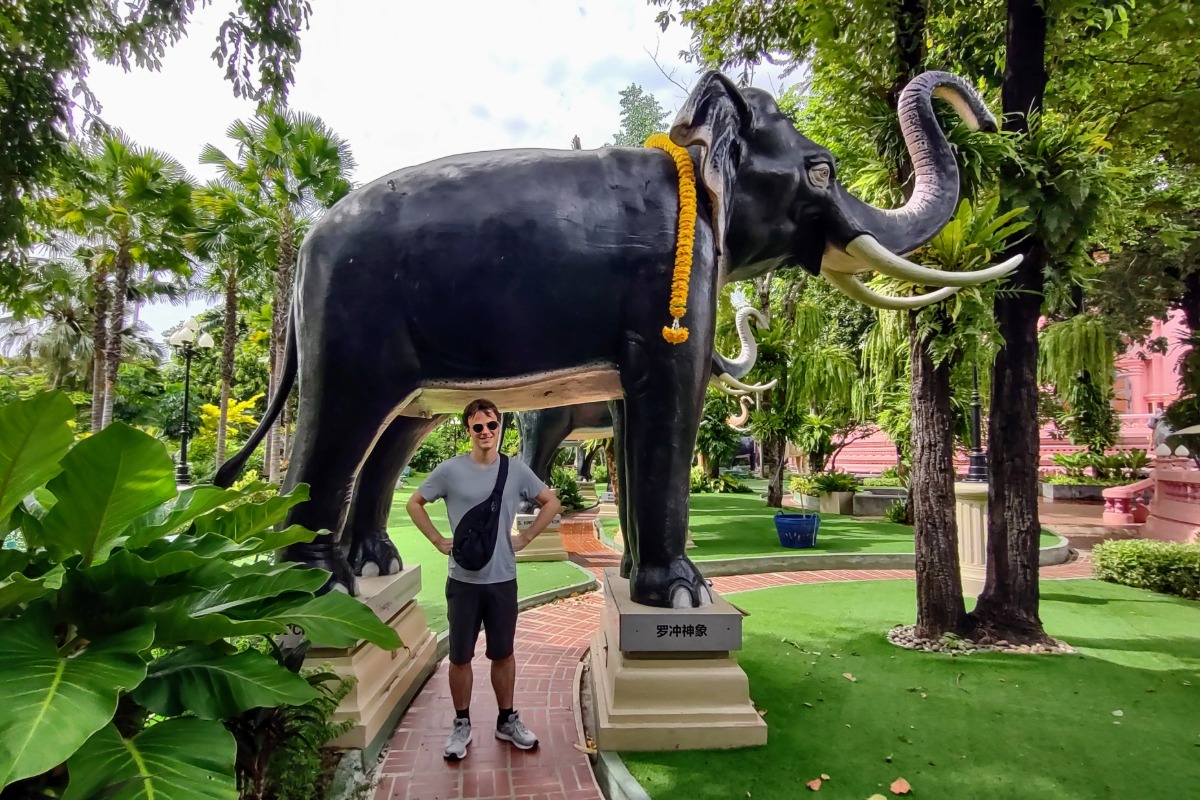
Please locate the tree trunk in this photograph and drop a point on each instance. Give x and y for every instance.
(940, 606)
(279, 316)
(772, 456)
(116, 335)
(712, 466)
(1008, 607)
(228, 349)
(99, 346)
(610, 459)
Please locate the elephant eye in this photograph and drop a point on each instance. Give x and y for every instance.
(819, 175)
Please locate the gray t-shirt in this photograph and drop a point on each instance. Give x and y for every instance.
(465, 484)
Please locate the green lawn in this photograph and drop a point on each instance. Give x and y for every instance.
(733, 525)
(984, 726)
(533, 577)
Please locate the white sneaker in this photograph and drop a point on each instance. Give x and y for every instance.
(459, 738)
(515, 731)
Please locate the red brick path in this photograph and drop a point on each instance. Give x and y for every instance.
(551, 640)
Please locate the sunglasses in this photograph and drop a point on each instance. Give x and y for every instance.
(491, 426)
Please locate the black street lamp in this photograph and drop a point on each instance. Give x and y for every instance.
(185, 339)
(977, 466)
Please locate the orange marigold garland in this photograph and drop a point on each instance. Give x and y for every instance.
(675, 334)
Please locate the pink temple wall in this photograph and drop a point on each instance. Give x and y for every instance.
(1144, 381)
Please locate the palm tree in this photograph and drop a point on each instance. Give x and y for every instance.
(58, 341)
(232, 236)
(132, 207)
(296, 167)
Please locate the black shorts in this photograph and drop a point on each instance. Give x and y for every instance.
(470, 605)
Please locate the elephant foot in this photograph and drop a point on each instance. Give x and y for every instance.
(626, 563)
(675, 585)
(328, 557)
(527, 507)
(373, 554)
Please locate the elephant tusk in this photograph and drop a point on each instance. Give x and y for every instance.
(740, 419)
(875, 256)
(723, 389)
(853, 288)
(741, 365)
(729, 380)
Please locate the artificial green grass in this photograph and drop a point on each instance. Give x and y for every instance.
(734, 525)
(533, 577)
(981, 726)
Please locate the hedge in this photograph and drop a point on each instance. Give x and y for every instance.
(1167, 567)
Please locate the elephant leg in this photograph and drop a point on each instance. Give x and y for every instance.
(624, 489)
(541, 437)
(589, 459)
(334, 433)
(372, 553)
(664, 391)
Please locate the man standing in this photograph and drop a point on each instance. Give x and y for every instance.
(486, 596)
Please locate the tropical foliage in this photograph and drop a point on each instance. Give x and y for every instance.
(119, 607)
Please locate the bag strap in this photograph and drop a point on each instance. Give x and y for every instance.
(499, 489)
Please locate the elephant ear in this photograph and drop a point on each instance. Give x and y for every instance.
(715, 116)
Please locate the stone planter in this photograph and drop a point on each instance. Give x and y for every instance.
(874, 502)
(1074, 493)
(805, 501)
(836, 503)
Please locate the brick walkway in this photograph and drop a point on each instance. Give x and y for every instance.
(551, 641)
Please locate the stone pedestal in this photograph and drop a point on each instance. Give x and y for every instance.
(970, 504)
(664, 679)
(385, 681)
(548, 546)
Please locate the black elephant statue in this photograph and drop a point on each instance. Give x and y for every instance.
(544, 430)
(462, 277)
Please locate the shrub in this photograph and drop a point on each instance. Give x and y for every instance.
(567, 489)
(835, 481)
(802, 484)
(600, 473)
(118, 618)
(1167, 567)
(722, 484)
(1109, 469)
(897, 512)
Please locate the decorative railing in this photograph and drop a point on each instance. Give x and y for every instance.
(1124, 505)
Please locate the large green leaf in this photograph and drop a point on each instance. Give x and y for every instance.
(251, 588)
(53, 704)
(180, 759)
(192, 503)
(335, 620)
(212, 685)
(34, 436)
(249, 519)
(16, 589)
(108, 481)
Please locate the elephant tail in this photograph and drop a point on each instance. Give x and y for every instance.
(229, 471)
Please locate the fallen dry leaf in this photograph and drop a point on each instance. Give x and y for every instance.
(814, 784)
(824, 777)
(900, 786)
(591, 751)
(1118, 713)
(876, 797)
(762, 712)
(849, 677)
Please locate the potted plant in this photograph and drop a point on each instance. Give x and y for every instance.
(804, 492)
(1107, 469)
(835, 492)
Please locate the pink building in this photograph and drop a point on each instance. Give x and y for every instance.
(1145, 381)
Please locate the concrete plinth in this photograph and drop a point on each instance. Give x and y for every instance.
(385, 681)
(970, 504)
(548, 546)
(664, 679)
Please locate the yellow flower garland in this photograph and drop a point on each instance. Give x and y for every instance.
(684, 238)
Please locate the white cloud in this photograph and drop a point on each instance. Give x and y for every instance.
(406, 83)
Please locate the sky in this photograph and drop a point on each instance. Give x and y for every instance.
(406, 82)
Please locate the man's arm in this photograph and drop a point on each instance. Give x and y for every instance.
(420, 517)
(550, 506)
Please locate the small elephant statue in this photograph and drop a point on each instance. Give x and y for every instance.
(432, 286)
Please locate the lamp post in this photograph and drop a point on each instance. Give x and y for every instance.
(185, 339)
(977, 468)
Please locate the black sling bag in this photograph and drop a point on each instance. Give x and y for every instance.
(475, 534)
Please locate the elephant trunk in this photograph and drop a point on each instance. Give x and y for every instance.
(935, 188)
